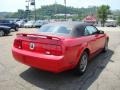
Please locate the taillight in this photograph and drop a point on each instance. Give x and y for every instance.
(18, 43)
(57, 51)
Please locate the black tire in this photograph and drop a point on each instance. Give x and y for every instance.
(16, 28)
(2, 33)
(105, 49)
(82, 65)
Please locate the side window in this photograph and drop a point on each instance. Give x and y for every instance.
(86, 32)
(90, 30)
(0, 21)
(5, 21)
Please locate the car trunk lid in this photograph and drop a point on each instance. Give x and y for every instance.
(43, 44)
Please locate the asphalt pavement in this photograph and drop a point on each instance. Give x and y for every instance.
(103, 72)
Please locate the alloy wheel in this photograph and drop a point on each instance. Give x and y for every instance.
(84, 62)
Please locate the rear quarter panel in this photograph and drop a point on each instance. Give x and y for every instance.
(74, 49)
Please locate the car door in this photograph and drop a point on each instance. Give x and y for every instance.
(100, 39)
(92, 37)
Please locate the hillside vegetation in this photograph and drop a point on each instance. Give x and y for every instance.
(50, 11)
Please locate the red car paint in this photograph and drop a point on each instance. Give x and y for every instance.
(55, 53)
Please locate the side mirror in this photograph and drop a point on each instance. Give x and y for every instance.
(100, 32)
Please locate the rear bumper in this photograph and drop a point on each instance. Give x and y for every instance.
(50, 63)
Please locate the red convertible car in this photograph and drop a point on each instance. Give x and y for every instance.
(60, 46)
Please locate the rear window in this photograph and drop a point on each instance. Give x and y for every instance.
(62, 30)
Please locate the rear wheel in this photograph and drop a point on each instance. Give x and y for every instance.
(16, 28)
(1, 33)
(82, 65)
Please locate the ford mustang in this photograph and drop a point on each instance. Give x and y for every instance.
(60, 46)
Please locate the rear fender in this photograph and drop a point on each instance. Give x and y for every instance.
(80, 51)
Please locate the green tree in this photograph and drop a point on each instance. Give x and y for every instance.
(49, 11)
(118, 20)
(102, 13)
(19, 14)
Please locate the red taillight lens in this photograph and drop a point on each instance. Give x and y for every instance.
(57, 50)
(18, 43)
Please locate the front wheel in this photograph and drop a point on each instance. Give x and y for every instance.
(82, 65)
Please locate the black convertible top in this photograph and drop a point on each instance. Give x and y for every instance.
(76, 28)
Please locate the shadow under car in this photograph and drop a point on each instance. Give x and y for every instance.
(68, 80)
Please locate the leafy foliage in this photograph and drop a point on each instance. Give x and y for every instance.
(49, 11)
(118, 20)
(102, 13)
